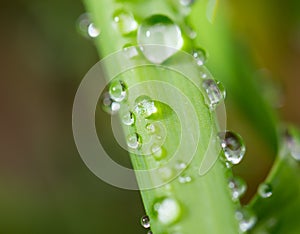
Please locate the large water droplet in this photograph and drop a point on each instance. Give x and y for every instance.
(134, 141)
(109, 105)
(145, 221)
(145, 106)
(199, 56)
(237, 186)
(128, 119)
(168, 210)
(159, 30)
(124, 22)
(86, 27)
(215, 92)
(265, 190)
(233, 147)
(246, 219)
(118, 90)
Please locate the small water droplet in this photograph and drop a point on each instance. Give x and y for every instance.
(246, 219)
(86, 27)
(145, 221)
(215, 92)
(233, 147)
(237, 186)
(265, 190)
(130, 50)
(144, 106)
(184, 179)
(168, 210)
(150, 128)
(166, 173)
(125, 22)
(186, 2)
(134, 141)
(157, 151)
(109, 105)
(292, 143)
(159, 30)
(200, 56)
(180, 165)
(128, 119)
(118, 90)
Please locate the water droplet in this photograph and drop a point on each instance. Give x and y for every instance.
(159, 30)
(246, 219)
(150, 128)
(186, 2)
(293, 144)
(199, 56)
(184, 179)
(128, 119)
(125, 22)
(118, 90)
(145, 221)
(134, 141)
(86, 27)
(215, 92)
(233, 147)
(157, 151)
(166, 173)
(180, 165)
(149, 232)
(130, 50)
(237, 186)
(168, 210)
(265, 190)
(144, 106)
(109, 105)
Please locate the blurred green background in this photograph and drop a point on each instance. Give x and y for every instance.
(44, 185)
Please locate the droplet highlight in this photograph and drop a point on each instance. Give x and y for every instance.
(215, 92)
(159, 30)
(145, 221)
(233, 147)
(86, 27)
(124, 22)
(265, 190)
(238, 187)
(167, 210)
(246, 219)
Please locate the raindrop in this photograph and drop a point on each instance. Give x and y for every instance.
(159, 30)
(145, 221)
(134, 141)
(86, 27)
(215, 92)
(199, 56)
(109, 105)
(118, 90)
(124, 22)
(128, 119)
(265, 190)
(237, 186)
(246, 219)
(233, 147)
(144, 106)
(168, 210)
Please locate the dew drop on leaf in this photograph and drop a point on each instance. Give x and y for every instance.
(167, 210)
(134, 141)
(186, 2)
(265, 190)
(86, 27)
(128, 119)
(200, 56)
(158, 151)
(237, 186)
(145, 106)
(246, 219)
(233, 147)
(145, 221)
(215, 92)
(109, 105)
(159, 30)
(124, 22)
(118, 90)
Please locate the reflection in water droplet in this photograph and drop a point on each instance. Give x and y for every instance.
(145, 221)
(134, 141)
(246, 219)
(144, 106)
(167, 210)
(159, 30)
(265, 190)
(215, 92)
(199, 56)
(237, 186)
(86, 27)
(233, 147)
(124, 22)
(108, 105)
(128, 119)
(118, 90)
